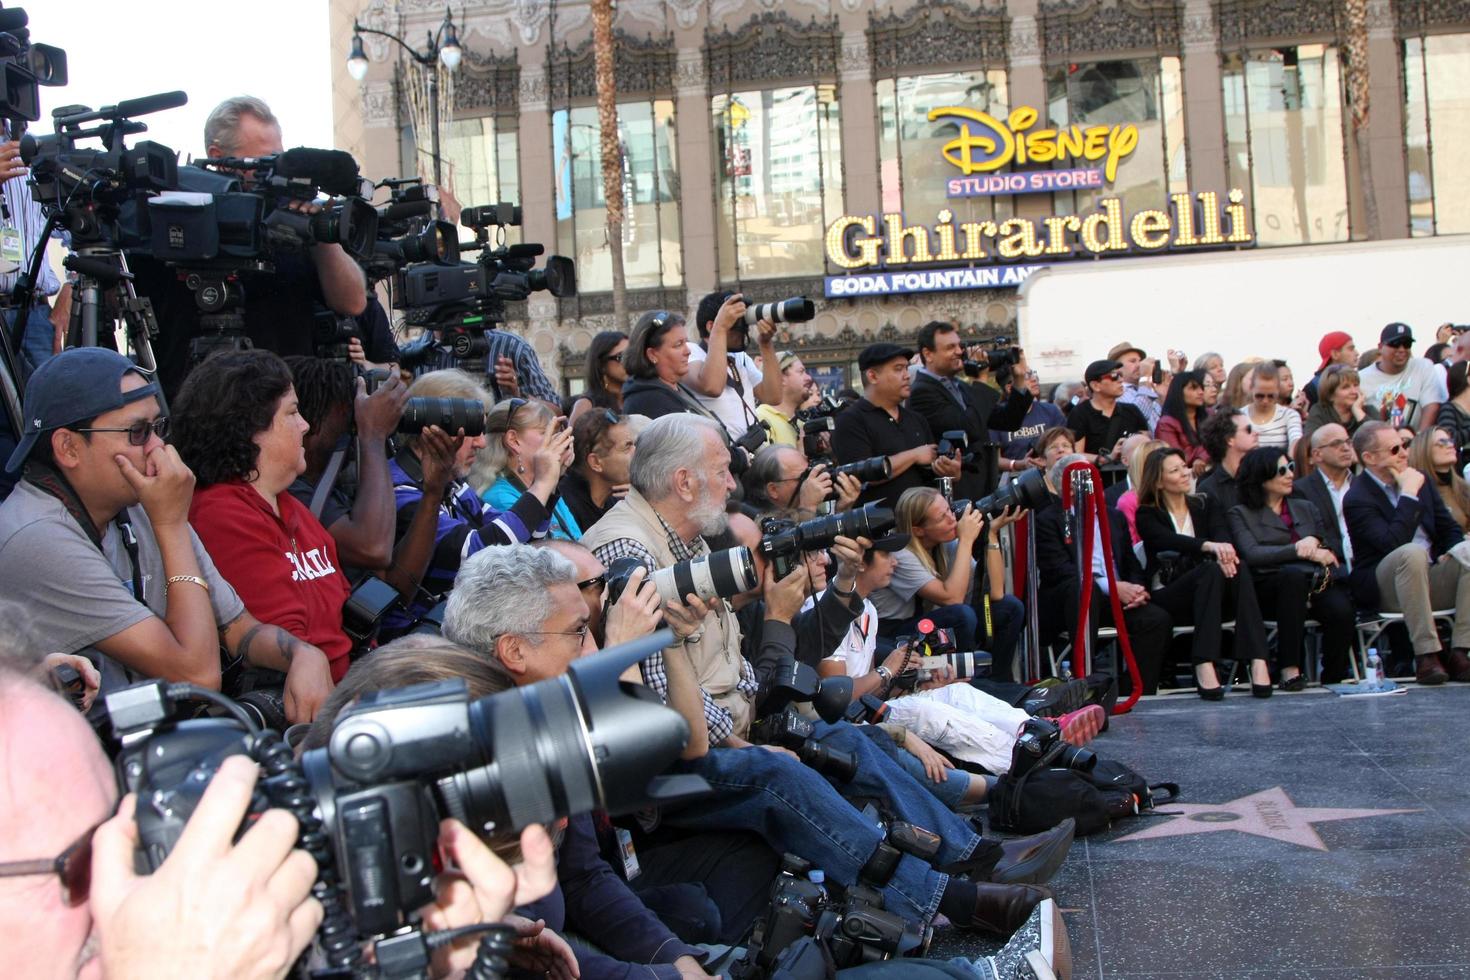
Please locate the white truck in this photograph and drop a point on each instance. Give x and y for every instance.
(1262, 302)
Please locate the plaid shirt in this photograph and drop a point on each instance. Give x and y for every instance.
(1146, 401)
(533, 381)
(721, 725)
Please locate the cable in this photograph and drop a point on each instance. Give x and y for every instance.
(492, 962)
(195, 692)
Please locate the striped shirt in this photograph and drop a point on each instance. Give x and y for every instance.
(533, 381)
(23, 213)
(1283, 429)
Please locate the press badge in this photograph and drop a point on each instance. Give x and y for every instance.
(11, 252)
(629, 855)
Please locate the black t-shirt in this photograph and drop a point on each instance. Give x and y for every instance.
(864, 430)
(1102, 432)
(376, 333)
(279, 310)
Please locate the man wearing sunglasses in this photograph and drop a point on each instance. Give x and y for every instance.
(1407, 390)
(95, 541)
(1103, 422)
(1409, 554)
(1227, 436)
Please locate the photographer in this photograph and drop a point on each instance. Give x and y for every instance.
(236, 424)
(657, 362)
(339, 412)
(433, 540)
(781, 479)
(724, 378)
(218, 907)
(948, 404)
(279, 309)
(95, 542)
(515, 431)
(880, 425)
(602, 449)
(523, 607)
(796, 389)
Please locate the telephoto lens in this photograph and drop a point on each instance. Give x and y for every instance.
(866, 470)
(449, 414)
(1027, 492)
(798, 309)
(719, 574)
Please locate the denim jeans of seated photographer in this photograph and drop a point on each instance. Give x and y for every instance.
(951, 792)
(912, 800)
(798, 812)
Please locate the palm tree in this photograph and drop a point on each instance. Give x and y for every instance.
(1356, 12)
(612, 156)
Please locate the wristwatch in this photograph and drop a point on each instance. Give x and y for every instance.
(885, 673)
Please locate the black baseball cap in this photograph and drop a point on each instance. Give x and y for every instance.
(881, 353)
(893, 542)
(1395, 332)
(1097, 370)
(79, 383)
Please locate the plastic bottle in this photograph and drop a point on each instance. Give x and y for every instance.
(1374, 674)
(1066, 670)
(818, 877)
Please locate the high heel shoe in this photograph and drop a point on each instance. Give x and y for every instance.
(1260, 690)
(1215, 692)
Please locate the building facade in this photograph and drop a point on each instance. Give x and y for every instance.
(907, 161)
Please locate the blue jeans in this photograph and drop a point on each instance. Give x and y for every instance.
(1007, 620)
(911, 800)
(798, 812)
(36, 344)
(951, 792)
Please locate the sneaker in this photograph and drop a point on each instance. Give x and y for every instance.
(1039, 950)
(1081, 726)
(1054, 698)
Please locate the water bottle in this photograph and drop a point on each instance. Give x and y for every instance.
(818, 877)
(1066, 670)
(1374, 674)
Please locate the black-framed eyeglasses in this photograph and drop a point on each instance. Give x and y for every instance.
(1335, 444)
(1285, 467)
(580, 634)
(599, 582)
(138, 432)
(73, 866)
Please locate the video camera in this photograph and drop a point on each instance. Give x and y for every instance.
(27, 65)
(936, 650)
(784, 541)
(370, 802)
(461, 301)
(1003, 354)
(408, 232)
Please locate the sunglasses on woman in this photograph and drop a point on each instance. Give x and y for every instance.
(73, 866)
(138, 432)
(1286, 467)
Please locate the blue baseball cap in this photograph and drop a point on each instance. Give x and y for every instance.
(79, 383)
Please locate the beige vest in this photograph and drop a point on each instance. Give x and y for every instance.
(716, 658)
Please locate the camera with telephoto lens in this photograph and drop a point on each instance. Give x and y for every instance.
(1027, 492)
(936, 651)
(789, 730)
(369, 804)
(866, 470)
(717, 575)
(460, 301)
(784, 541)
(799, 309)
(449, 414)
(1040, 746)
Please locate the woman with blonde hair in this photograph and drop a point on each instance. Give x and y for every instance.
(515, 431)
(1433, 453)
(1127, 504)
(934, 578)
(1233, 393)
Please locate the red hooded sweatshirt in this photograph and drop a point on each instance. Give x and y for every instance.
(284, 568)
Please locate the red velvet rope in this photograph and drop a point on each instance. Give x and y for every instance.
(1084, 596)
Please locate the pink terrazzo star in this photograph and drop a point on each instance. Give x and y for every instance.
(1269, 813)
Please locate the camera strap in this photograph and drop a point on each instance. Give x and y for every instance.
(328, 479)
(49, 480)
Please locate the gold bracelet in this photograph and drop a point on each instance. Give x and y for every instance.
(185, 578)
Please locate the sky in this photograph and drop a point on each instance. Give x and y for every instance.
(276, 50)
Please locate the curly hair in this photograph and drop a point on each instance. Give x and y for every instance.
(322, 385)
(222, 405)
(1217, 431)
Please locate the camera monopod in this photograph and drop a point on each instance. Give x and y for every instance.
(1086, 522)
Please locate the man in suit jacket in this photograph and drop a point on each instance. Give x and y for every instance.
(949, 403)
(1327, 486)
(1149, 625)
(1402, 534)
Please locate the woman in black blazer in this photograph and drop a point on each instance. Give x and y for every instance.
(1211, 585)
(1282, 541)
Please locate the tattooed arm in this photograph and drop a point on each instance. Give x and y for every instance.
(308, 676)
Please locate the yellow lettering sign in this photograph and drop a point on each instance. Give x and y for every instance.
(985, 143)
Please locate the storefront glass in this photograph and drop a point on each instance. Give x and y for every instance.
(651, 247)
(481, 163)
(775, 195)
(1284, 135)
(1437, 132)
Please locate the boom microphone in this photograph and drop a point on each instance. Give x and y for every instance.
(145, 104)
(407, 209)
(334, 171)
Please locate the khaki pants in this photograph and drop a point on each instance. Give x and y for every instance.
(1409, 583)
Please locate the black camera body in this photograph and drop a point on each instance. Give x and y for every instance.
(408, 232)
(1040, 746)
(370, 802)
(783, 542)
(790, 730)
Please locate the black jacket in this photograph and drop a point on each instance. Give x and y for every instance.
(1379, 527)
(653, 398)
(1313, 487)
(983, 410)
(1056, 562)
(1157, 533)
(1263, 540)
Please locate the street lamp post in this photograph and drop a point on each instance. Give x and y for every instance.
(443, 47)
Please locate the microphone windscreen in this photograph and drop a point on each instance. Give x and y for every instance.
(334, 171)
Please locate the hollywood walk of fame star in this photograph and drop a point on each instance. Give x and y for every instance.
(1269, 813)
